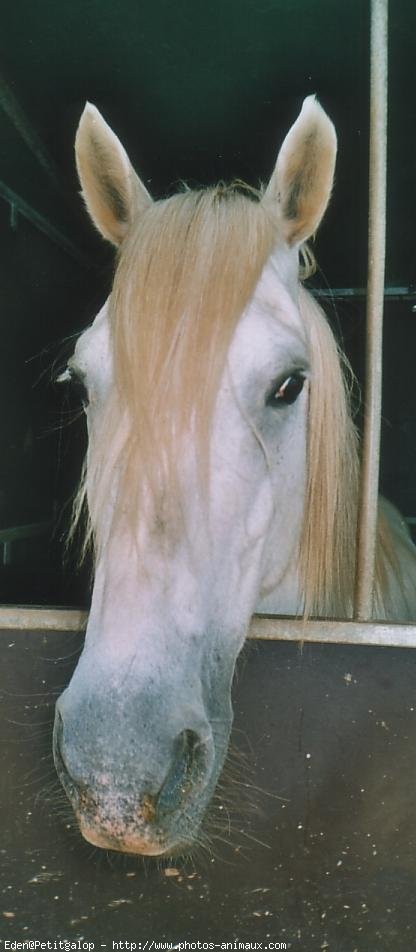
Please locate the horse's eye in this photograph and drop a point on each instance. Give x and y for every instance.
(76, 383)
(287, 391)
(79, 390)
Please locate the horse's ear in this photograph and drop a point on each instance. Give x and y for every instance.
(112, 191)
(302, 179)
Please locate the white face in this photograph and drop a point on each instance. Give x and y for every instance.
(168, 636)
(256, 484)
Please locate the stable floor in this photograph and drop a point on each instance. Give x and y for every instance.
(313, 830)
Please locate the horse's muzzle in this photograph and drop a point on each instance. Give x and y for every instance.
(136, 816)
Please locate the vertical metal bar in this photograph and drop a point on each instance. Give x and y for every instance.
(367, 522)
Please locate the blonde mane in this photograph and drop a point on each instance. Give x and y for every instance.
(327, 556)
(185, 274)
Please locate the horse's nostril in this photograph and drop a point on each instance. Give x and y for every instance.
(58, 730)
(74, 789)
(188, 767)
(58, 756)
(189, 748)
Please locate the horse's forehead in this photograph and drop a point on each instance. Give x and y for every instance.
(271, 324)
(277, 288)
(270, 320)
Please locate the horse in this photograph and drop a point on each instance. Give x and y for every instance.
(221, 477)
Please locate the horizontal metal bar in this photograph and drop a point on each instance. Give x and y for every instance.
(381, 634)
(392, 293)
(19, 534)
(44, 225)
(16, 618)
(16, 533)
(262, 627)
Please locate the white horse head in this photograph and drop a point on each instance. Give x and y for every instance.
(220, 477)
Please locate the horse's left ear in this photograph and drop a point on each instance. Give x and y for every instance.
(302, 180)
(113, 192)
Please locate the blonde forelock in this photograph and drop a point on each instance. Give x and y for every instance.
(185, 273)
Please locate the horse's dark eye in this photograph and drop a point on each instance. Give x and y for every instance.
(287, 391)
(76, 384)
(79, 390)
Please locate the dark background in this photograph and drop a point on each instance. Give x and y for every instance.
(197, 92)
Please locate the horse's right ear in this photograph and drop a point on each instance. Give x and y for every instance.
(112, 191)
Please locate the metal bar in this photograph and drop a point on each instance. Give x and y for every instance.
(262, 627)
(367, 521)
(18, 534)
(380, 634)
(392, 293)
(28, 531)
(44, 225)
(15, 618)
(11, 106)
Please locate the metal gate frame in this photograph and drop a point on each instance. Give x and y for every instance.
(262, 627)
(361, 631)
